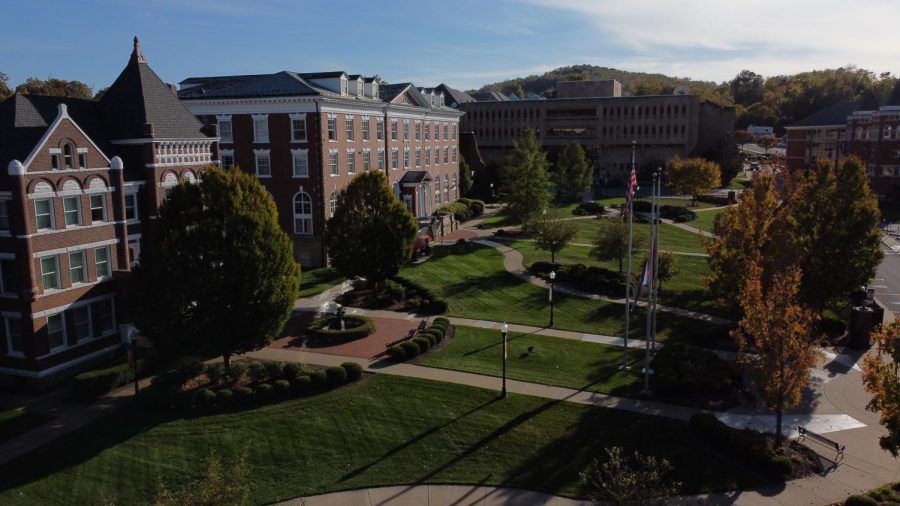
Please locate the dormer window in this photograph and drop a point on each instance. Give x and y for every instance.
(68, 156)
(375, 89)
(359, 88)
(343, 86)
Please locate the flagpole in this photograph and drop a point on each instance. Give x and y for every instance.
(650, 264)
(629, 208)
(656, 259)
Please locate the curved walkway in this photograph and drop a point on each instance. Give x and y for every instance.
(434, 495)
(513, 262)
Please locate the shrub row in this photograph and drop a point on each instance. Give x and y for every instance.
(674, 213)
(681, 370)
(721, 200)
(423, 342)
(745, 445)
(421, 299)
(588, 208)
(464, 209)
(303, 384)
(590, 279)
(91, 384)
(356, 327)
(453, 208)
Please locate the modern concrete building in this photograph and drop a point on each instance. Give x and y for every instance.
(307, 135)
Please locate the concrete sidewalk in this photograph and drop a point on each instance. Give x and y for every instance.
(434, 495)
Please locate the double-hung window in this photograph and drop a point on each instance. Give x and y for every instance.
(82, 158)
(395, 158)
(427, 131)
(81, 316)
(427, 155)
(14, 343)
(393, 130)
(367, 159)
(333, 161)
(379, 129)
(77, 269)
(302, 214)
(260, 128)
(406, 129)
(8, 278)
(101, 262)
(106, 321)
(348, 122)
(351, 161)
(300, 162)
(43, 213)
(418, 130)
(98, 208)
(418, 156)
(72, 210)
(49, 277)
(298, 128)
(332, 127)
(365, 128)
(406, 158)
(226, 158)
(225, 130)
(380, 158)
(263, 163)
(56, 331)
(4, 215)
(131, 209)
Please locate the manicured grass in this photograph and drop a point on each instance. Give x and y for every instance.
(473, 281)
(686, 290)
(317, 281)
(705, 220)
(382, 431)
(671, 237)
(15, 422)
(554, 361)
(664, 201)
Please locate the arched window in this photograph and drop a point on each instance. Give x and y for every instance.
(302, 214)
(446, 188)
(437, 190)
(170, 181)
(189, 177)
(333, 203)
(455, 187)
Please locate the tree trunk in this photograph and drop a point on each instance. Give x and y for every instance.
(553, 256)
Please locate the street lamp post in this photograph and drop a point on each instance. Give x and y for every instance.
(504, 329)
(552, 276)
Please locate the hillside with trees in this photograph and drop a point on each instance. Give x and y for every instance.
(773, 101)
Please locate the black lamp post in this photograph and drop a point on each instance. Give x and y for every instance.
(504, 329)
(552, 276)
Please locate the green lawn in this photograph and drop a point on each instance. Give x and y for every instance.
(472, 280)
(14, 422)
(664, 201)
(705, 220)
(671, 237)
(554, 361)
(317, 281)
(383, 431)
(686, 290)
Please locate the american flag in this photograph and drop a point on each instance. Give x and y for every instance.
(632, 184)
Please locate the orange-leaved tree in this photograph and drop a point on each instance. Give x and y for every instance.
(880, 378)
(775, 340)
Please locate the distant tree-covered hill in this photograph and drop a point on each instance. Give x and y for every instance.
(775, 101)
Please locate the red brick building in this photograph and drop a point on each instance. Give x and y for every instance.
(307, 135)
(83, 179)
(820, 136)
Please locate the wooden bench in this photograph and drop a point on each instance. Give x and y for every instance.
(822, 440)
(412, 333)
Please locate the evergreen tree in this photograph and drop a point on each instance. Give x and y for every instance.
(525, 179)
(371, 233)
(465, 177)
(217, 275)
(573, 173)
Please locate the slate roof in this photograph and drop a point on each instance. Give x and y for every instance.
(452, 95)
(388, 92)
(490, 96)
(138, 96)
(834, 115)
(281, 84)
(415, 177)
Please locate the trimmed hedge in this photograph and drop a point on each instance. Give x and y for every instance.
(411, 349)
(337, 376)
(282, 387)
(205, 398)
(244, 395)
(397, 352)
(291, 371)
(319, 380)
(91, 384)
(441, 319)
(860, 500)
(264, 391)
(423, 343)
(683, 370)
(589, 208)
(590, 279)
(223, 397)
(354, 370)
(301, 384)
(358, 327)
(421, 299)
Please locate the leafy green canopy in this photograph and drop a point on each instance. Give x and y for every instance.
(217, 274)
(525, 179)
(371, 233)
(573, 174)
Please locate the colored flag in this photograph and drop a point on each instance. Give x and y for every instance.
(632, 185)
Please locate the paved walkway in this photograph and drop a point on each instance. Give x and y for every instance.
(434, 495)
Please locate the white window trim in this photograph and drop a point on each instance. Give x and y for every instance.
(84, 271)
(351, 161)
(225, 152)
(257, 118)
(65, 339)
(256, 154)
(302, 216)
(52, 215)
(294, 154)
(90, 336)
(219, 120)
(9, 350)
(105, 218)
(299, 117)
(109, 266)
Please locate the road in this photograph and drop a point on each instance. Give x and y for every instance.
(887, 279)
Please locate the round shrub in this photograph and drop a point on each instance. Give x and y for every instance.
(397, 352)
(301, 384)
(291, 371)
(257, 371)
(410, 348)
(328, 329)
(394, 290)
(206, 398)
(860, 500)
(264, 391)
(438, 331)
(354, 370)
(423, 343)
(476, 207)
(223, 397)
(273, 369)
(337, 376)
(319, 380)
(441, 319)
(244, 395)
(782, 467)
(282, 387)
(430, 337)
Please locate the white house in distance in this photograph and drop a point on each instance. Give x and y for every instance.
(761, 131)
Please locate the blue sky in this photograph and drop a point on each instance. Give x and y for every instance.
(463, 43)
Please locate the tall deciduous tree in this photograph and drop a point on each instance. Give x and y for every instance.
(525, 179)
(747, 87)
(666, 270)
(465, 177)
(752, 232)
(54, 87)
(692, 176)
(767, 142)
(775, 340)
(835, 215)
(573, 174)
(553, 233)
(218, 275)
(881, 378)
(612, 241)
(371, 233)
